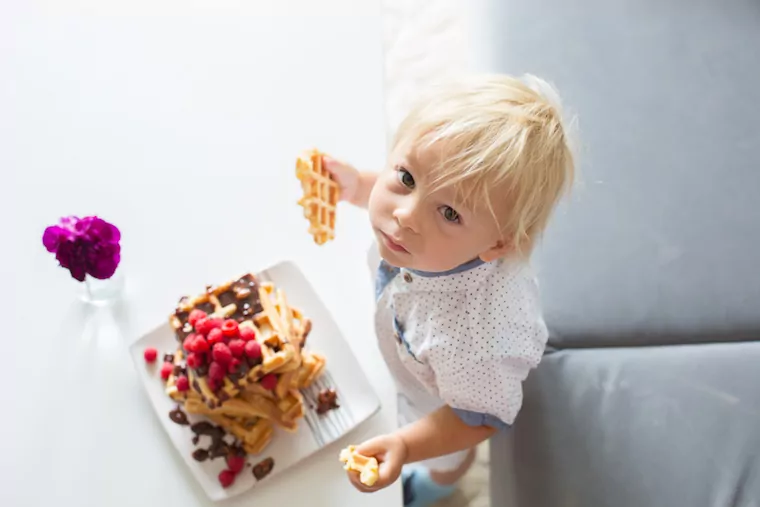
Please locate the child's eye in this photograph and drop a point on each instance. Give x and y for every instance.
(406, 178)
(450, 214)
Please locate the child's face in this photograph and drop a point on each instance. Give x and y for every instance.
(424, 230)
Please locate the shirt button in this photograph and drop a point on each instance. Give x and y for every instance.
(407, 278)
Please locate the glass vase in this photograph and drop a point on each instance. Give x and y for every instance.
(102, 292)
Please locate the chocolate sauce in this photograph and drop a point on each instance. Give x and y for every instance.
(263, 468)
(207, 307)
(246, 293)
(252, 362)
(218, 448)
(200, 454)
(327, 400)
(204, 428)
(306, 331)
(184, 331)
(227, 298)
(216, 433)
(243, 293)
(182, 315)
(179, 417)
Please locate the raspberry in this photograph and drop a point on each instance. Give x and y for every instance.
(253, 349)
(237, 347)
(188, 343)
(215, 336)
(246, 333)
(200, 344)
(221, 353)
(214, 384)
(269, 382)
(215, 323)
(182, 384)
(203, 326)
(226, 478)
(166, 370)
(234, 365)
(230, 328)
(194, 360)
(150, 354)
(195, 316)
(216, 372)
(235, 463)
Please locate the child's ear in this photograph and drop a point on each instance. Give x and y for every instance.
(500, 249)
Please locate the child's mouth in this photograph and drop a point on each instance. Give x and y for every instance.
(392, 245)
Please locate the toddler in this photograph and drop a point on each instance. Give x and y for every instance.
(474, 174)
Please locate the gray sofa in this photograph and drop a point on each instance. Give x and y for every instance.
(650, 394)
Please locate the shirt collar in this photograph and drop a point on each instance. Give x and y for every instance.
(474, 263)
(469, 274)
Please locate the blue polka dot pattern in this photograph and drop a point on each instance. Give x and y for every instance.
(470, 337)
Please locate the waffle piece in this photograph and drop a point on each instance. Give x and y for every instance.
(240, 419)
(366, 465)
(255, 436)
(291, 406)
(280, 353)
(312, 366)
(279, 329)
(250, 422)
(270, 408)
(238, 300)
(320, 196)
(285, 383)
(240, 403)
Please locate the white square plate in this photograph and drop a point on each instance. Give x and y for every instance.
(357, 399)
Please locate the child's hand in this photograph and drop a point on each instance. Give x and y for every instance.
(390, 452)
(346, 175)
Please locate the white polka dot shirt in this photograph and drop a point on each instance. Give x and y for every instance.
(466, 338)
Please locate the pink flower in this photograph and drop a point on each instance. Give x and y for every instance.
(86, 246)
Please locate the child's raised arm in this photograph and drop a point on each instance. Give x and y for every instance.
(355, 185)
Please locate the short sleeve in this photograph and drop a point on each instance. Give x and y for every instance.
(485, 393)
(502, 338)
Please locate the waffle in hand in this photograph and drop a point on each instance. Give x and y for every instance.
(320, 196)
(367, 466)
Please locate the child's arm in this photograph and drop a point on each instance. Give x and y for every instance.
(355, 186)
(441, 432)
(364, 188)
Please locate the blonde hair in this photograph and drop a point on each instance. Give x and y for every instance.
(497, 131)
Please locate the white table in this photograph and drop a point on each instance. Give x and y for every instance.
(181, 129)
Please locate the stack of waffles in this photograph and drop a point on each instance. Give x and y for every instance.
(320, 195)
(241, 360)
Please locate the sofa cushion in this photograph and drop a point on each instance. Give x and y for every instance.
(659, 241)
(666, 426)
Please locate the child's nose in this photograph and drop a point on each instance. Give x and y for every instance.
(406, 217)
